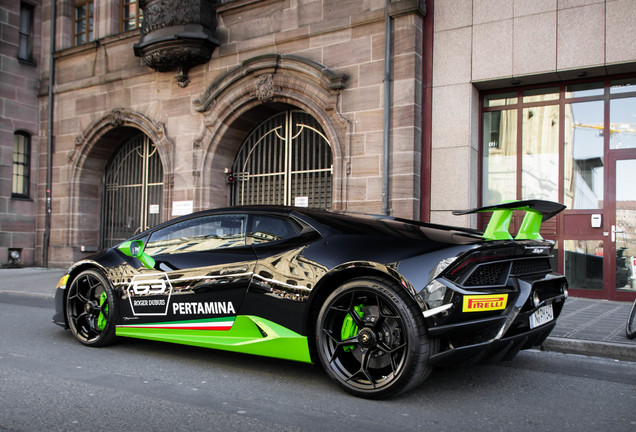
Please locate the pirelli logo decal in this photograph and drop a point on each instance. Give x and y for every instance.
(481, 303)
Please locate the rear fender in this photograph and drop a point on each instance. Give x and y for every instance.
(355, 269)
(339, 275)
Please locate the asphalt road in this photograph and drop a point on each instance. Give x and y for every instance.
(48, 381)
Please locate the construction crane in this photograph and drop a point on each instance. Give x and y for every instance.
(626, 128)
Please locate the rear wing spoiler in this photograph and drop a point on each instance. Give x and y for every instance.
(537, 211)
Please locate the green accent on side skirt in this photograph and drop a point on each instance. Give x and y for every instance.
(248, 335)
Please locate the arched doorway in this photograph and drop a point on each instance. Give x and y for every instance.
(133, 191)
(286, 160)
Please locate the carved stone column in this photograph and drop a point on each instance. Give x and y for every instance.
(176, 35)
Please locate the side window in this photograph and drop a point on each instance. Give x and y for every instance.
(265, 229)
(199, 234)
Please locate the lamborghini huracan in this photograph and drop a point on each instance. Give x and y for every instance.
(377, 301)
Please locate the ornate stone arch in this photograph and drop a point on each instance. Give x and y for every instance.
(120, 118)
(249, 93)
(86, 164)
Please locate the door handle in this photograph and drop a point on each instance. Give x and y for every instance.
(614, 232)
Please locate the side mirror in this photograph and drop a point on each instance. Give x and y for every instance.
(135, 249)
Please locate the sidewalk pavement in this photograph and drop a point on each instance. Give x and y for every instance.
(586, 326)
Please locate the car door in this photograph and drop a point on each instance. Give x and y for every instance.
(203, 267)
(283, 278)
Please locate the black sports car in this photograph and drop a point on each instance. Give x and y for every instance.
(378, 301)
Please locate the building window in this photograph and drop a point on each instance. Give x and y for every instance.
(25, 41)
(583, 143)
(83, 22)
(21, 165)
(131, 15)
(500, 156)
(548, 143)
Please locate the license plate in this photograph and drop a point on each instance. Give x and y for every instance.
(542, 315)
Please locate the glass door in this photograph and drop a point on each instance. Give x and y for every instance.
(582, 242)
(621, 262)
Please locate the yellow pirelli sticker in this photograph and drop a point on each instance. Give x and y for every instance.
(481, 303)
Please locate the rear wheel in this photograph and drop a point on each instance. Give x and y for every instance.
(91, 308)
(371, 339)
(630, 328)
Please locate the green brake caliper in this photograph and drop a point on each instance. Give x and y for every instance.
(349, 327)
(101, 320)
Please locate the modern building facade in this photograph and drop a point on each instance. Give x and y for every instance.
(406, 107)
(538, 100)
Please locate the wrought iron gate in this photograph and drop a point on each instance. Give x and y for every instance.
(133, 191)
(286, 160)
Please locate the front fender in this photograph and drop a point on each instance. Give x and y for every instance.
(59, 317)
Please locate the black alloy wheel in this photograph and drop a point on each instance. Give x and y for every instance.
(371, 339)
(90, 309)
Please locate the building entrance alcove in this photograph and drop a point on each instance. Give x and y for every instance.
(132, 191)
(274, 123)
(114, 183)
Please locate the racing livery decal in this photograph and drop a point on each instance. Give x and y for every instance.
(480, 303)
(149, 295)
(222, 324)
(203, 308)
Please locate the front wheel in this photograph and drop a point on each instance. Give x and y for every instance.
(371, 339)
(630, 328)
(91, 308)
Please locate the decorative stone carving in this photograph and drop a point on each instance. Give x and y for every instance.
(264, 88)
(176, 35)
(116, 117)
(266, 67)
(80, 140)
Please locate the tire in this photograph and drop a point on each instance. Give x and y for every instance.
(371, 339)
(91, 309)
(630, 328)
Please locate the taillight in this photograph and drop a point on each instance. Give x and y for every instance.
(477, 258)
(434, 291)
